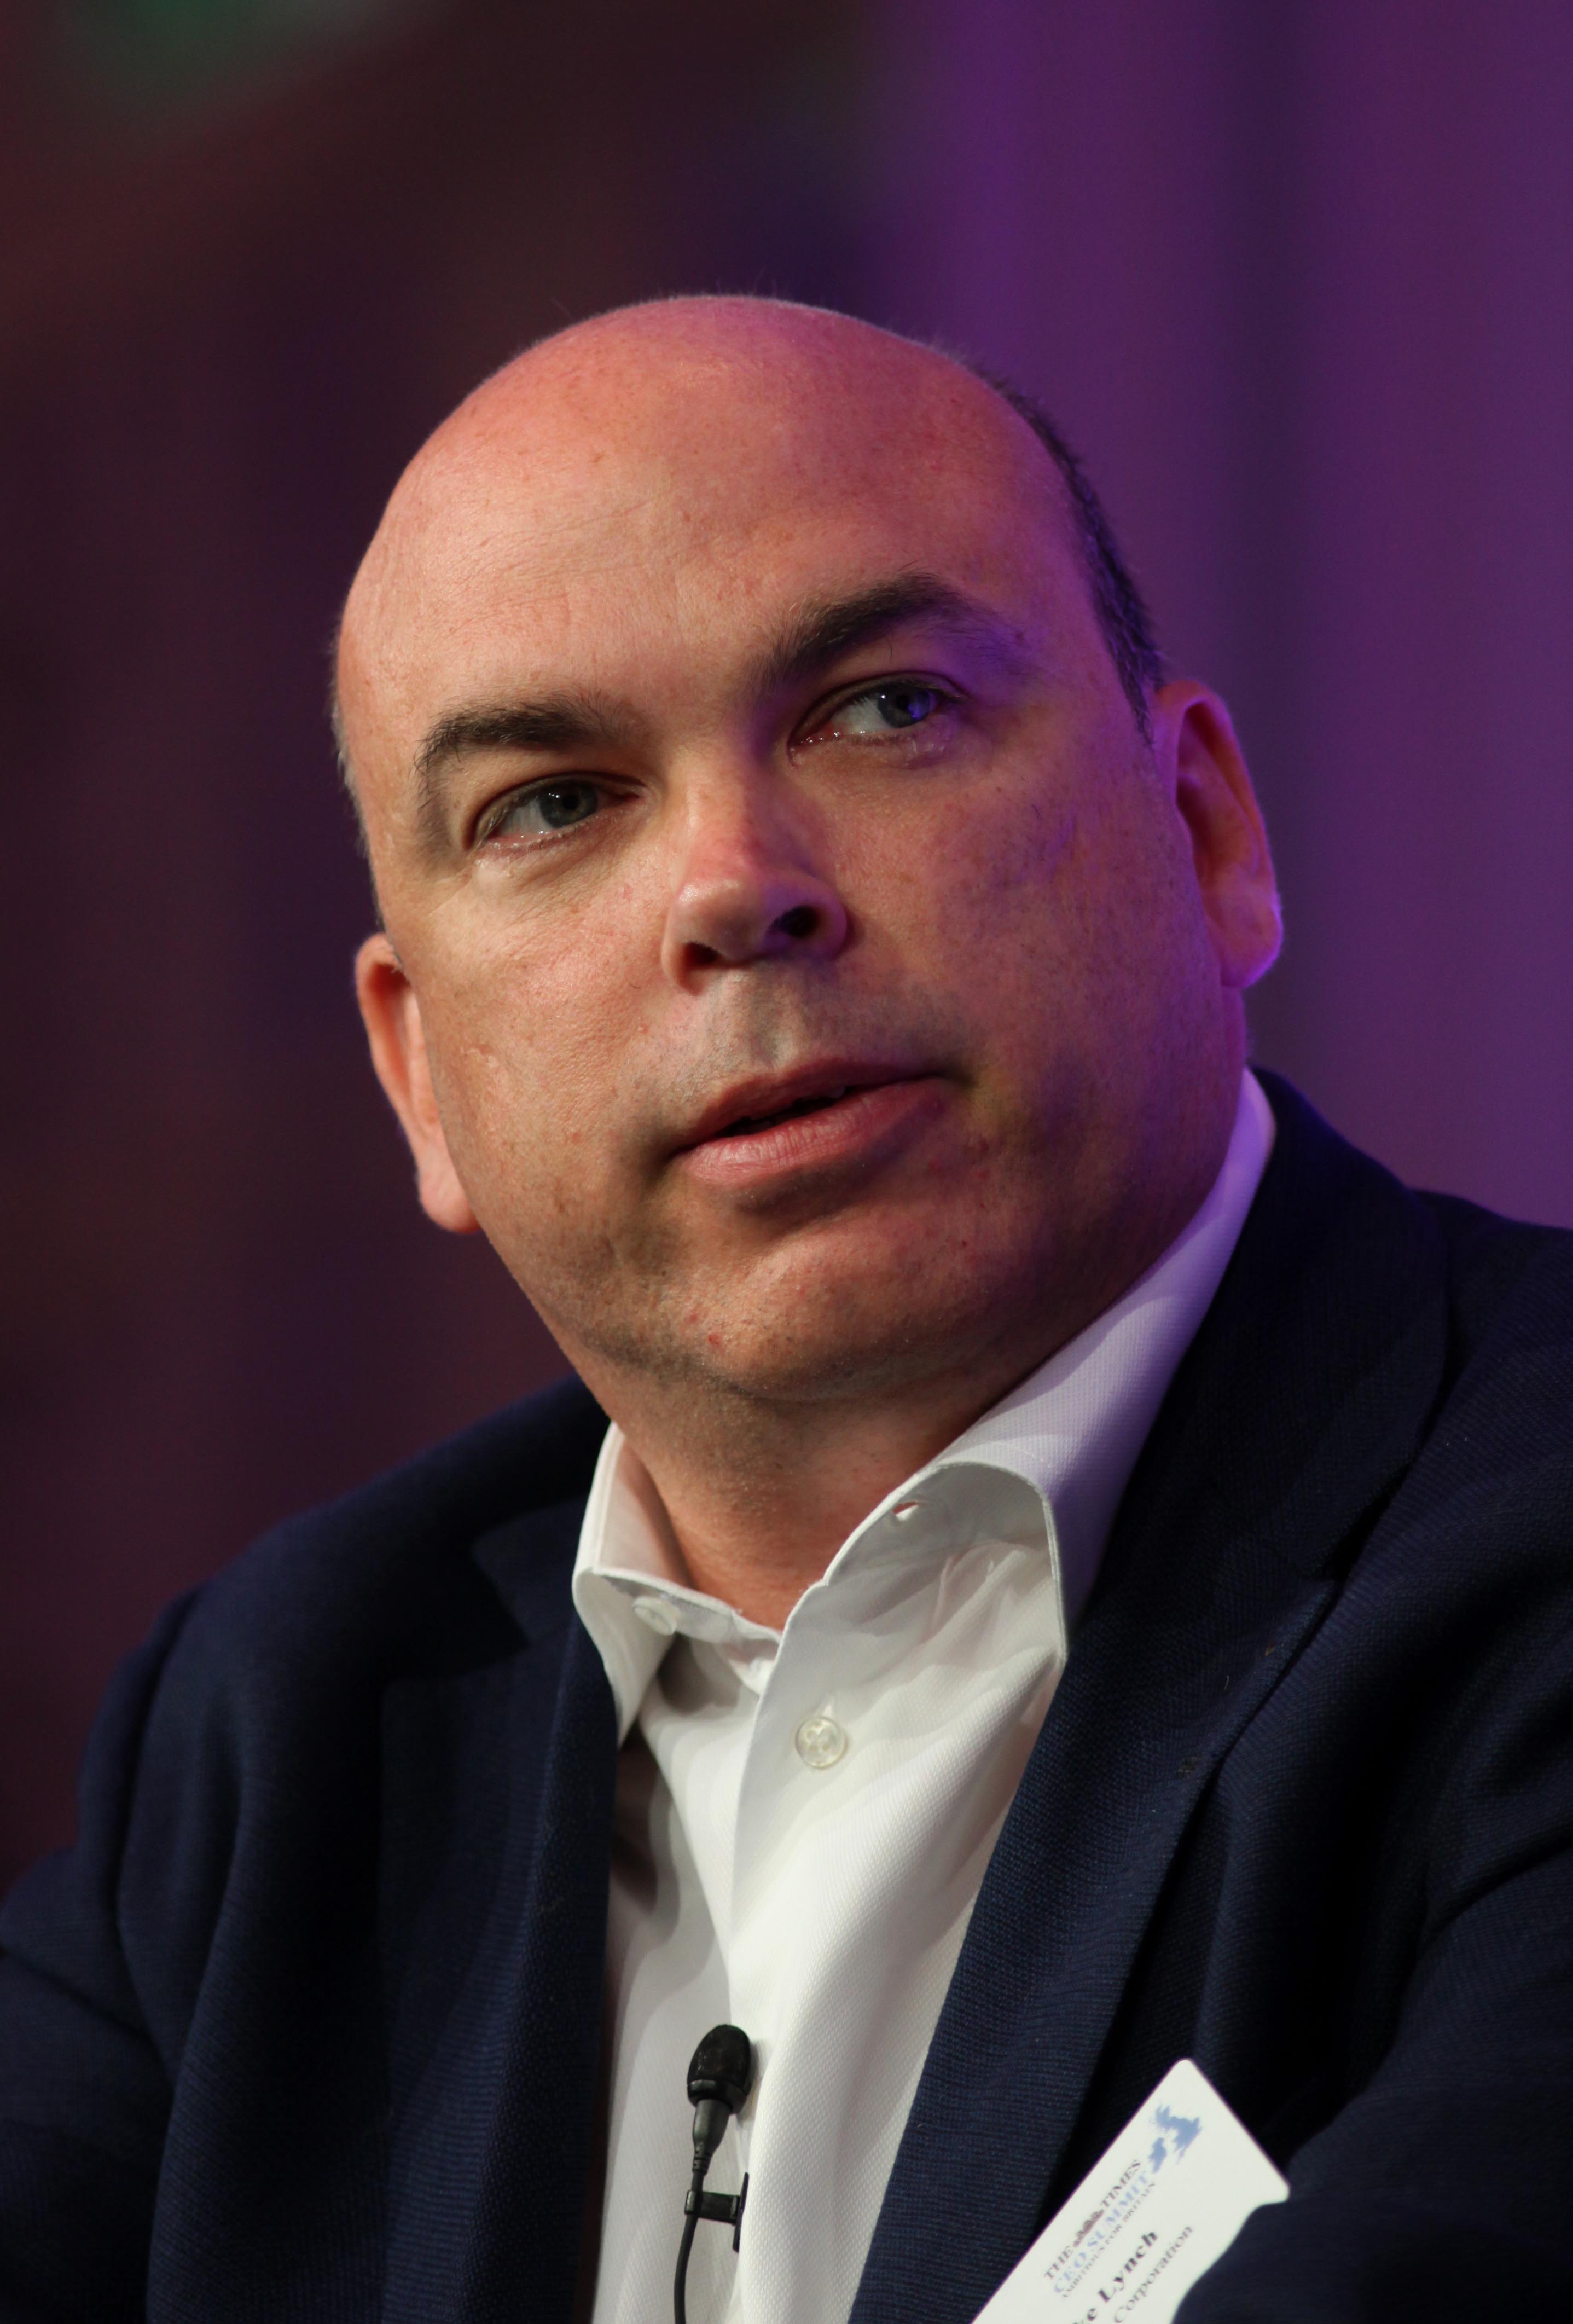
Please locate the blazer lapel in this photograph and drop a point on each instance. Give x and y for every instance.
(500, 1780)
(1304, 1393)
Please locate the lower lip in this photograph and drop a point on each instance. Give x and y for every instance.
(855, 1128)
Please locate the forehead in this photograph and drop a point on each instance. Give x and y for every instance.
(608, 513)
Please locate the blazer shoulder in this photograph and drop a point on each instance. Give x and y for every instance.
(1501, 1435)
(1354, 1225)
(251, 1761)
(351, 1580)
(1506, 1276)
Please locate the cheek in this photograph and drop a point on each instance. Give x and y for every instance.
(527, 1052)
(982, 902)
(1059, 926)
(961, 869)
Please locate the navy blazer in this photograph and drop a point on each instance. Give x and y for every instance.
(306, 2025)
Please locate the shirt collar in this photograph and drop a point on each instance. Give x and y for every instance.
(1072, 1431)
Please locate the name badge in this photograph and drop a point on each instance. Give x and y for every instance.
(1167, 2199)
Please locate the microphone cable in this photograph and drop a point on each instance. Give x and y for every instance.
(720, 2074)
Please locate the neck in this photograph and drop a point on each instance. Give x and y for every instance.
(761, 1500)
(761, 1490)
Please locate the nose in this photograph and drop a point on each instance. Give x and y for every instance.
(748, 889)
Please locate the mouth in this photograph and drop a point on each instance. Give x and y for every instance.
(750, 1108)
(794, 1128)
(747, 1124)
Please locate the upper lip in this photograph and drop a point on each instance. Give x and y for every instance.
(764, 1094)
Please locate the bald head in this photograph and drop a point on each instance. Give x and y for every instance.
(669, 377)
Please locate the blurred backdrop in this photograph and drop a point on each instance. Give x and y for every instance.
(1297, 279)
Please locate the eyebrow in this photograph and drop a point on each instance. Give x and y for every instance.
(818, 635)
(821, 633)
(557, 722)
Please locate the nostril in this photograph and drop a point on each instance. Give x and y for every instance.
(800, 921)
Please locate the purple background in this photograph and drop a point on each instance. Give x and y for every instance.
(1297, 279)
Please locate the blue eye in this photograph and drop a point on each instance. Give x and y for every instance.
(547, 807)
(886, 710)
(907, 705)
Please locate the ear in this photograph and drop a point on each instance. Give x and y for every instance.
(1194, 744)
(392, 1015)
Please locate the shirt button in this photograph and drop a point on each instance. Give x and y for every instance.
(655, 1617)
(906, 1509)
(819, 1741)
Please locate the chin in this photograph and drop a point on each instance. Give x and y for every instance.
(827, 1341)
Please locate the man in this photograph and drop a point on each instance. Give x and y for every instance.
(813, 939)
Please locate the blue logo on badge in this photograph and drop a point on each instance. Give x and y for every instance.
(1175, 2133)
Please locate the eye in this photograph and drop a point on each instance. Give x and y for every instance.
(543, 810)
(882, 710)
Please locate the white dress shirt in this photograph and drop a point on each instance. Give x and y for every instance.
(803, 1817)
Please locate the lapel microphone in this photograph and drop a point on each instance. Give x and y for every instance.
(720, 2074)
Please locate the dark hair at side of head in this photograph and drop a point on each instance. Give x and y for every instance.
(1122, 615)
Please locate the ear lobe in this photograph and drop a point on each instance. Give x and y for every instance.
(392, 1016)
(1197, 752)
